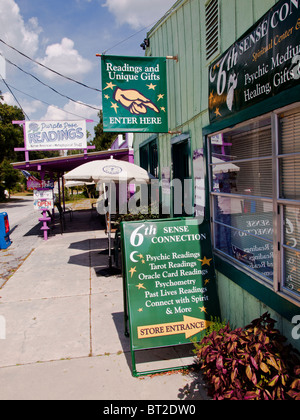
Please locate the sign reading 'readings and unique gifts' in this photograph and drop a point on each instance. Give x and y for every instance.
(170, 281)
(134, 94)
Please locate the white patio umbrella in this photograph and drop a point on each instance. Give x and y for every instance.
(71, 184)
(107, 171)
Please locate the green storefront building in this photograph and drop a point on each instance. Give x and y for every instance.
(234, 144)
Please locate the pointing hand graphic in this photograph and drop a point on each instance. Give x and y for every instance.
(134, 101)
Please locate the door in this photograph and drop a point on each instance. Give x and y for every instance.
(182, 198)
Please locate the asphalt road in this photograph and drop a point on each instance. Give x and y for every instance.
(25, 234)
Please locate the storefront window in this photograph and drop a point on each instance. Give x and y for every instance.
(289, 196)
(255, 187)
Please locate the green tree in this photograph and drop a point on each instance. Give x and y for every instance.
(11, 135)
(8, 175)
(102, 140)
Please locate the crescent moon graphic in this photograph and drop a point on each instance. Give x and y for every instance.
(131, 256)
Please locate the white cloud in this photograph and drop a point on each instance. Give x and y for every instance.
(68, 111)
(138, 13)
(29, 107)
(64, 59)
(22, 35)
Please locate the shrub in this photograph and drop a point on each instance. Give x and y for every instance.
(250, 364)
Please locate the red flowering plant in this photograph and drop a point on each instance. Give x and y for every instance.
(250, 364)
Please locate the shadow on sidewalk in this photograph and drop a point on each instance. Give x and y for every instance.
(162, 358)
(96, 257)
(82, 221)
(90, 244)
(15, 201)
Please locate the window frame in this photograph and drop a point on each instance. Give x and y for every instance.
(147, 147)
(277, 285)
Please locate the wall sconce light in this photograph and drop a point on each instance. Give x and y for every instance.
(145, 44)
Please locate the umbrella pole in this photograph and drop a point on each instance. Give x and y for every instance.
(110, 270)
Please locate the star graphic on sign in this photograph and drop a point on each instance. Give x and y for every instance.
(211, 96)
(141, 256)
(132, 271)
(206, 282)
(217, 112)
(206, 261)
(163, 108)
(114, 106)
(151, 86)
(106, 96)
(140, 310)
(109, 86)
(160, 96)
(203, 309)
(141, 286)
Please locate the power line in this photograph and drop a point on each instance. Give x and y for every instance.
(46, 103)
(48, 68)
(126, 39)
(59, 74)
(138, 32)
(15, 98)
(48, 86)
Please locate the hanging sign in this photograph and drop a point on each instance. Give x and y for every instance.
(55, 135)
(262, 63)
(170, 281)
(134, 94)
(33, 184)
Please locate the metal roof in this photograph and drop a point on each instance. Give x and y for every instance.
(66, 163)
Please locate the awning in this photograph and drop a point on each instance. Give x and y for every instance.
(63, 164)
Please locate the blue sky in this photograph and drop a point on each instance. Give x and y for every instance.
(66, 35)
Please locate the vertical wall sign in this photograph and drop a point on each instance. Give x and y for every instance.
(262, 63)
(134, 94)
(169, 281)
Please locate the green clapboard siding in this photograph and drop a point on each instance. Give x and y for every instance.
(182, 33)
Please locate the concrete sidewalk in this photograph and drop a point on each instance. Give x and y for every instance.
(65, 330)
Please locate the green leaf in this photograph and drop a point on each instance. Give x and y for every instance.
(272, 362)
(264, 367)
(254, 364)
(233, 375)
(274, 380)
(219, 363)
(249, 372)
(296, 384)
(251, 395)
